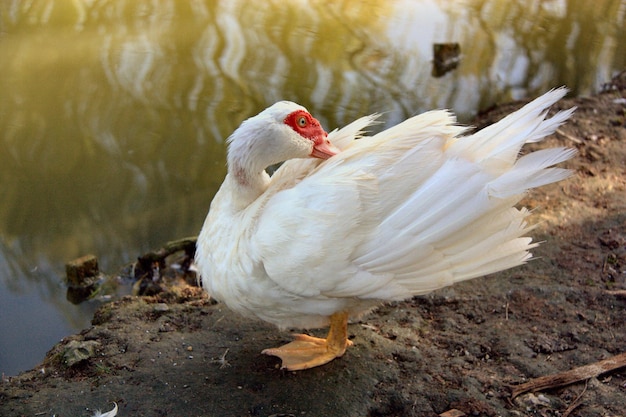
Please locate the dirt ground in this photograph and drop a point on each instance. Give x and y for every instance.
(459, 351)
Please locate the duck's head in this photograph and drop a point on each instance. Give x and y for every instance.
(283, 131)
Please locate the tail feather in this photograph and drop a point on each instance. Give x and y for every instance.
(501, 142)
(547, 127)
(460, 221)
(532, 171)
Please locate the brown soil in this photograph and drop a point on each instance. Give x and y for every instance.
(461, 348)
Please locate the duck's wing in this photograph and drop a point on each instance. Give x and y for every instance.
(309, 237)
(407, 211)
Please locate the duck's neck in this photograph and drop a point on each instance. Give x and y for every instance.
(246, 184)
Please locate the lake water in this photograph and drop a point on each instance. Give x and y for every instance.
(114, 114)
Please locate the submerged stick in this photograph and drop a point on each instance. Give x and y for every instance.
(574, 375)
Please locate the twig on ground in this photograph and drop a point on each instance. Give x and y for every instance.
(568, 136)
(574, 375)
(453, 413)
(576, 403)
(222, 360)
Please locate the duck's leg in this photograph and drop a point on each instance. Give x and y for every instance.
(307, 351)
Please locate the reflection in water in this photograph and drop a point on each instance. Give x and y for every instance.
(114, 114)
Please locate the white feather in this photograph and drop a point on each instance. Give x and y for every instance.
(342, 138)
(111, 413)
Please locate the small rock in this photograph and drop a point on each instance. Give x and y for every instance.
(161, 307)
(77, 351)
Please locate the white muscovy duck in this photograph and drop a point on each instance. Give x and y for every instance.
(347, 224)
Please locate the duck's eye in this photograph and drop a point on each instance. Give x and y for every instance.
(302, 122)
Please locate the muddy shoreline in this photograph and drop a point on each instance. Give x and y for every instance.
(462, 348)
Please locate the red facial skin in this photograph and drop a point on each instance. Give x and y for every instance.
(308, 127)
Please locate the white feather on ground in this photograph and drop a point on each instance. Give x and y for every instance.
(111, 413)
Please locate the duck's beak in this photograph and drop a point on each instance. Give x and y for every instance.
(324, 149)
